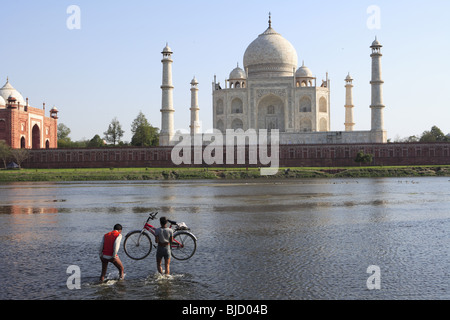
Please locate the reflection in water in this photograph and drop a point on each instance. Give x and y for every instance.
(290, 239)
(22, 198)
(17, 209)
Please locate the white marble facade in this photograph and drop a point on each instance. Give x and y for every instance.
(270, 92)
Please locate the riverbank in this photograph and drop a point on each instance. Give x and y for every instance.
(111, 174)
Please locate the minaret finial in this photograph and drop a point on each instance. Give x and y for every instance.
(270, 20)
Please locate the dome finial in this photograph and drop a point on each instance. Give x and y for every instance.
(270, 20)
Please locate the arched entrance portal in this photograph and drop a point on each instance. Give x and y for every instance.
(271, 113)
(2, 129)
(36, 137)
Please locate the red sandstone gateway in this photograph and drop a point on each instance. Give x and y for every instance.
(23, 126)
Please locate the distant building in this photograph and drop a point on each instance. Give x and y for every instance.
(23, 126)
(272, 92)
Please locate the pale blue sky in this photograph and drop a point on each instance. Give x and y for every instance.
(111, 67)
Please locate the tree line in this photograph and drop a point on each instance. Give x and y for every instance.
(433, 135)
(144, 135)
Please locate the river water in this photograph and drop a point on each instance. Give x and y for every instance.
(258, 239)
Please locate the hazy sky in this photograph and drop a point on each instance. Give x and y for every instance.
(111, 66)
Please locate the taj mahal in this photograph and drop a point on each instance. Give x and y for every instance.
(272, 92)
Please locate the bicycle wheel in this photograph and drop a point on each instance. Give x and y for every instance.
(183, 246)
(137, 245)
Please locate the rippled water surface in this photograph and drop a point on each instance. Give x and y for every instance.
(302, 239)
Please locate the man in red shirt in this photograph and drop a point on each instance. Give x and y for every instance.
(108, 251)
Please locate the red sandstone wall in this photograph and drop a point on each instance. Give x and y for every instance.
(16, 118)
(290, 156)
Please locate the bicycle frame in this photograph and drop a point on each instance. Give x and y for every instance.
(152, 230)
(180, 239)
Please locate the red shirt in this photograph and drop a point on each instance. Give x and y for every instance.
(108, 242)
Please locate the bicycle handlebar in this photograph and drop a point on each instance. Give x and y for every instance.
(152, 216)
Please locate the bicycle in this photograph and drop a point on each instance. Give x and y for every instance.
(138, 243)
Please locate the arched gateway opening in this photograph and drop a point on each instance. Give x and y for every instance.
(36, 137)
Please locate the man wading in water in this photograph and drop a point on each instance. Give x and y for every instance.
(108, 251)
(164, 238)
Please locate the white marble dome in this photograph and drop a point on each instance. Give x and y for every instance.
(8, 91)
(376, 43)
(167, 49)
(270, 55)
(2, 101)
(304, 72)
(194, 81)
(237, 74)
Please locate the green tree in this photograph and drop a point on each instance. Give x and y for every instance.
(5, 152)
(440, 136)
(114, 132)
(80, 144)
(64, 140)
(144, 134)
(95, 142)
(20, 155)
(63, 131)
(411, 139)
(362, 157)
(434, 135)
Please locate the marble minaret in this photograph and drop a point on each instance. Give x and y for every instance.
(195, 122)
(167, 110)
(378, 133)
(349, 121)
